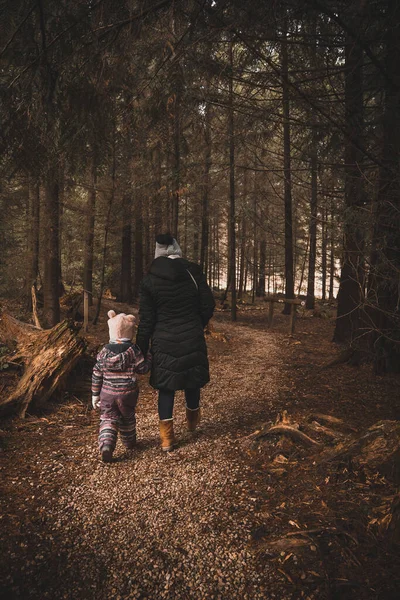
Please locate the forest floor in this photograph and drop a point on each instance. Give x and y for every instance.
(223, 516)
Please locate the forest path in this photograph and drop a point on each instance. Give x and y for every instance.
(152, 524)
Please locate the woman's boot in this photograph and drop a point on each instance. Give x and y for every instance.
(192, 418)
(168, 440)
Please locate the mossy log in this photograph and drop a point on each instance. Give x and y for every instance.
(47, 358)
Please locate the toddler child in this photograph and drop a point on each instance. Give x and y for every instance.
(114, 387)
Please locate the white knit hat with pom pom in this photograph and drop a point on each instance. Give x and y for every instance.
(166, 245)
(120, 326)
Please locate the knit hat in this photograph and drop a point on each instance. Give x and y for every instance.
(120, 326)
(166, 245)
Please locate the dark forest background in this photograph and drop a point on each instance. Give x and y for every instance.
(264, 135)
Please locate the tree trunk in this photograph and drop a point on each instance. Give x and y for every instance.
(138, 246)
(243, 242)
(255, 240)
(50, 225)
(51, 204)
(324, 243)
(176, 168)
(126, 251)
(147, 243)
(262, 268)
(385, 261)
(269, 271)
(303, 266)
(204, 250)
(158, 200)
(61, 201)
(107, 227)
(331, 255)
(232, 219)
(352, 274)
(89, 234)
(289, 276)
(312, 256)
(217, 250)
(33, 237)
(243, 232)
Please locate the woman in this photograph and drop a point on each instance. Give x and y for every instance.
(175, 305)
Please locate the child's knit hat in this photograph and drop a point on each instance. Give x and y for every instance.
(120, 326)
(166, 245)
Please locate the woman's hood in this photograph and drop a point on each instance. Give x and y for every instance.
(174, 270)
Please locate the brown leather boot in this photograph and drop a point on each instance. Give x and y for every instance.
(192, 418)
(168, 440)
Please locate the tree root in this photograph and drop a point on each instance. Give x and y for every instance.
(318, 428)
(288, 430)
(332, 422)
(343, 357)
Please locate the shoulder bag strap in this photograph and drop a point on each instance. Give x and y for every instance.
(194, 281)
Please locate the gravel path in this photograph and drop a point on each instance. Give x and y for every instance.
(151, 525)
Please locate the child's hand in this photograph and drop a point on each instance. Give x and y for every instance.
(95, 402)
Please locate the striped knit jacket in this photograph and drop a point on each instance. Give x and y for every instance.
(114, 371)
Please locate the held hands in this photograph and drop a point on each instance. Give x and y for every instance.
(95, 402)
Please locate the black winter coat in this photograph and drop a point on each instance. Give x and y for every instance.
(173, 313)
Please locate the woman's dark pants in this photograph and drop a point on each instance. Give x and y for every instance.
(166, 402)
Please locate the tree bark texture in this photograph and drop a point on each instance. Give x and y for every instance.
(243, 244)
(47, 356)
(126, 251)
(312, 255)
(351, 288)
(89, 234)
(204, 250)
(289, 275)
(33, 236)
(158, 200)
(107, 228)
(331, 255)
(138, 246)
(50, 224)
(176, 168)
(262, 263)
(232, 214)
(384, 294)
(324, 251)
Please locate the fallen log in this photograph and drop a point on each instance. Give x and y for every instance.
(47, 357)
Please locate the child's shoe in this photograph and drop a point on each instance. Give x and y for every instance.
(127, 431)
(130, 445)
(106, 454)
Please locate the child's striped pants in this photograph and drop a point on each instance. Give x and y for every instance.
(117, 413)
